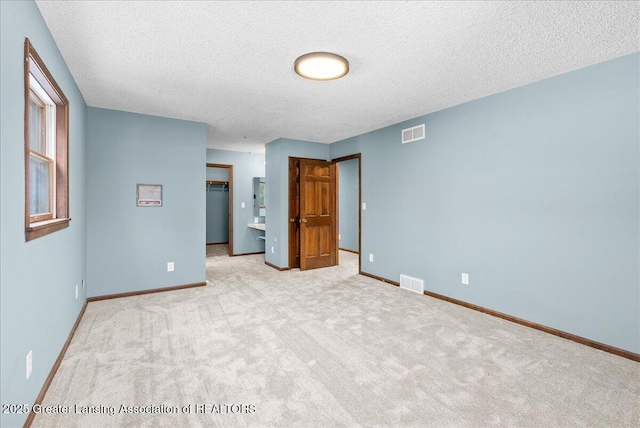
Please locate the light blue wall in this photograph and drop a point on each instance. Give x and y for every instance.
(348, 204)
(277, 192)
(129, 246)
(218, 174)
(217, 206)
(217, 215)
(534, 192)
(37, 279)
(245, 167)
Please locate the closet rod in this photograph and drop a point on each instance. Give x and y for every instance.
(217, 182)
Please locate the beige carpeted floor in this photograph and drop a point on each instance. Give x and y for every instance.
(217, 250)
(326, 348)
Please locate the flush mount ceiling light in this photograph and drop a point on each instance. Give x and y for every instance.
(321, 66)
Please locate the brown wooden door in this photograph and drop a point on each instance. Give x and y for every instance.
(294, 213)
(318, 214)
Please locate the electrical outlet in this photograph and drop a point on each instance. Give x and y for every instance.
(275, 239)
(339, 237)
(256, 220)
(29, 364)
(83, 283)
(364, 206)
(76, 291)
(242, 205)
(465, 278)
(371, 258)
(273, 250)
(170, 267)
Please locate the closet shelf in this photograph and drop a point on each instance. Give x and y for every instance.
(212, 184)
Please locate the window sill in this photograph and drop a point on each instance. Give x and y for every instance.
(42, 228)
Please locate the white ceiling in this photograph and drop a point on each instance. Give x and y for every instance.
(230, 64)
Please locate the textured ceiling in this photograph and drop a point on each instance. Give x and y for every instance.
(230, 64)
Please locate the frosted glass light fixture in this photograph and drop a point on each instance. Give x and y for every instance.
(321, 66)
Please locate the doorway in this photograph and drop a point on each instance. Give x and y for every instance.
(219, 197)
(349, 204)
(313, 212)
(313, 217)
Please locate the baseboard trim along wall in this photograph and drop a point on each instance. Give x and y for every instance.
(276, 267)
(247, 254)
(54, 369)
(379, 278)
(349, 251)
(217, 243)
(141, 292)
(563, 334)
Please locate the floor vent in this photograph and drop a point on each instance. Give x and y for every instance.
(412, 284)
(413, 134)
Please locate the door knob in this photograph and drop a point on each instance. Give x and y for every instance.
(292, 220)
(304, 220)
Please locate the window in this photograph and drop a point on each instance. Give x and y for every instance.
(46, 145)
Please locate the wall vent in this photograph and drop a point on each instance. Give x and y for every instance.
(412, 284)
(413, 134)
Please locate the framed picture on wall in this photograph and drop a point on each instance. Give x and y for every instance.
(149, 195)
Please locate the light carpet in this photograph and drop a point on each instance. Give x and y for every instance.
(327, 348)
(216, 250)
